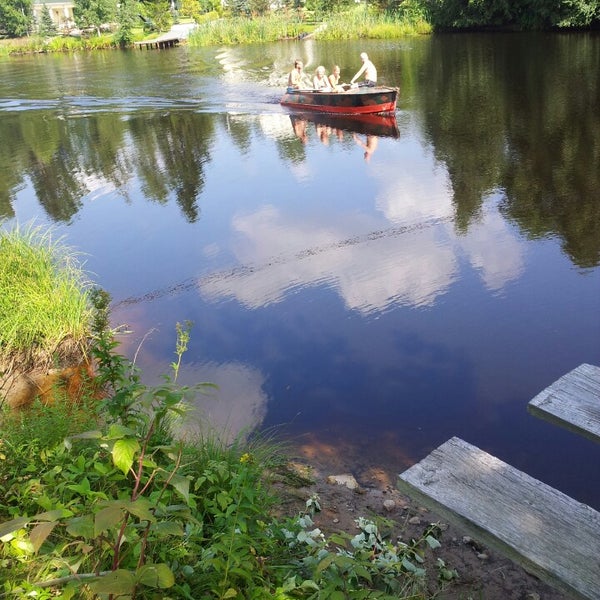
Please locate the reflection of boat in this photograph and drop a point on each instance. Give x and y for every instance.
(361, 100)
(369, 124)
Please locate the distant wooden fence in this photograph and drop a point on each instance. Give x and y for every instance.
(548, 533)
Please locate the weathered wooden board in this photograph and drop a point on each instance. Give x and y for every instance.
(551, 535)
(572, 401)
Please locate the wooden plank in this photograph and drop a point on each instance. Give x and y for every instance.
(551, 535)
(165, 41)
(572, 401)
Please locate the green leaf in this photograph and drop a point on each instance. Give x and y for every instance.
(15, 524)
(433, 543)
(117, 582)
(182, 485)
(408, 565)
(166, 528)
(83, 487)
(40, 532)
(230, 593)
(52, 515)
(224, 500)
(108, 517)
(87, 435)
(123, 452)
(142, 509)
(117, 432)
(324, 564)
(81, 527)
(362, 571)
(158, 575)
(12, 526)
(309, 584)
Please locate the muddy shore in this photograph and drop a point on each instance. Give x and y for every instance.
(483, 573)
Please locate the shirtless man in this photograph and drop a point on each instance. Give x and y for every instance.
(368, 68)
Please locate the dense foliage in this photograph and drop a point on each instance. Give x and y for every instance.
(519, 14)
(126, 510)
(92, 14)
(16, 15)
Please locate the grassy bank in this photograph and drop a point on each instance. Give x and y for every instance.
(362, 23)
(44, 307)
(355, 23)
(38, 44)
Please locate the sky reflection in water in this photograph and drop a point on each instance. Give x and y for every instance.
(344, 300)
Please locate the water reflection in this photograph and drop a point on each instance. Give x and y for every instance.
(409, 265)
(364, 129)
(429, 293)
(236, 407)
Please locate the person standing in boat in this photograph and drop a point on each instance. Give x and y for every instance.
(368, 68)
(320, 81)
(296, 78)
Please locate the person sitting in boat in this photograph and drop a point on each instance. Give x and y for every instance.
(320, 81)
(368, 68)
(296, 78)
(334, 79)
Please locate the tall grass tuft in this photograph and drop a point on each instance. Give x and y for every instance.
(44, 305)
(240, 30)
(38, 44)
(361, 22)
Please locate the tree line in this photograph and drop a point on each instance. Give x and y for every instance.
(17, 20)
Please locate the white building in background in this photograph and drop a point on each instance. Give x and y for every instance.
(61, 13)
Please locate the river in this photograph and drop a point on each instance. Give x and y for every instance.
(363, 294)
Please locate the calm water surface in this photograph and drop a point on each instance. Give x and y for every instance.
(369, 292)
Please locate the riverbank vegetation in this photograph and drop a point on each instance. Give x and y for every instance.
(44, 305)
(103, 500)
(117, 24)
(353, 23)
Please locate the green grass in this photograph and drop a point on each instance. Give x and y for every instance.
(38, 44)
(356, 23)
(361, 23)
(44, 305)
(241, 30)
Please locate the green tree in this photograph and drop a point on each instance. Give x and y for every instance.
(46, 25)
(16, 17)
(159, 12)
(519, 14)
(259, 7)
(93, 13)
(127, 18)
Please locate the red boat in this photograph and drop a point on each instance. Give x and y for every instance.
(354, 101)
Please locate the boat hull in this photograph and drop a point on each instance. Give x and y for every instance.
(364, 100)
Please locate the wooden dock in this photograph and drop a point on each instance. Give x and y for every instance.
(572, 402)
(551, 535)
(159, 43)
